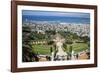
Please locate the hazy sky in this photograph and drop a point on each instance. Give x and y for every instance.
(54, 13)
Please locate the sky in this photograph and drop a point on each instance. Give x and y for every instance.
(55, 13)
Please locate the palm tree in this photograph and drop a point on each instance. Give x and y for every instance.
(28, 55)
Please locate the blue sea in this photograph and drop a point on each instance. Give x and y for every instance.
(76, 20)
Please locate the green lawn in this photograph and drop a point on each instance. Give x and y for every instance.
(45, 49)
(77, 47)
(42, 49)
